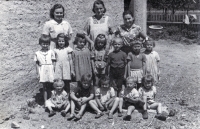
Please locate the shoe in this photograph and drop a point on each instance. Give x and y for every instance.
(120, 114)
(77, 116)
(127, 118)
(52, 113)
(161, 117)
(71, 117)
(63, 113)
(145, 115)
(110, 116)
(99, 115)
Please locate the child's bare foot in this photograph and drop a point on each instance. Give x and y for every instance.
(52, 113)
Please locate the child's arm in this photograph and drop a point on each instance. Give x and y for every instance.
(97, 98)
(91, 43)
(144, 64)
(128, 68)
(73, 97)
(37, 69)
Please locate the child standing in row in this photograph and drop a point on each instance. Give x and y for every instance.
(59, 99)
(117, 64)
(152, 60)
(81, 95)
(136, 62)
(104, 98)
(81, 58)
(45, 62)
(64, 66)
(129, 98)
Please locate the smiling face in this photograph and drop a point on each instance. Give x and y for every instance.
(44, 45)
(58, 14)
(59, 86)
(99, 9)
(61, 42)
(80, 43)
(117, 44)
(136, 48)
(128, 20)
(130, 84)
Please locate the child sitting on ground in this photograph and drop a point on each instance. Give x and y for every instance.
(104, 98)
(129, 98)
(80, 96)
(148, 93)
(59, 99)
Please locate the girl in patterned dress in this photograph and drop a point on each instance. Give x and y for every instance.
(64, 66)
(45, 61)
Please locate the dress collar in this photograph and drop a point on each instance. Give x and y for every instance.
(126, 29)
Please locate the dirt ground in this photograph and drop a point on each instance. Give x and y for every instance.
(21, 23)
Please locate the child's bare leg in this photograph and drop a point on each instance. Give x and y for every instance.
(120, 104)
(72, 107)
(45, 92)
(82, 109)
(157, 106)
(114, 105)
(94, 106)
(130, 110)
(144, 98)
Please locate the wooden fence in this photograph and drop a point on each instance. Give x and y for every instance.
(176, 19)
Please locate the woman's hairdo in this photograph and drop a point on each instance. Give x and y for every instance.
(127, 12)
(98, 2)
(56, 6)
(62, 35)
(44, 39)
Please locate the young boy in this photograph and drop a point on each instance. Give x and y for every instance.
(117, 64)
(129, 98)
(59, 99)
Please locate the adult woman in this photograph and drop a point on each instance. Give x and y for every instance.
(57, 25)
(129, 31)
(99, 23)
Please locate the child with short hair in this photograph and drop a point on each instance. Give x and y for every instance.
(136, 62)
(80, 96)
(104, 98)
(81, 57)
(45, 62)
(148, 93)
(117, 64)
(64, 66)
(59, 99)
(152, 60)
(129, 98)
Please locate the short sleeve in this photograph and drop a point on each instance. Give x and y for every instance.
(112, 92)
(134, 93)
(129, 57)
(46, 28)
(35, 57)
(53, 57)
(69, 50)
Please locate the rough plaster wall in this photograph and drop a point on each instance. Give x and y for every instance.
(21, 25)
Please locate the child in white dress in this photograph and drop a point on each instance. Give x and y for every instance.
(45, 61)
(64, 66)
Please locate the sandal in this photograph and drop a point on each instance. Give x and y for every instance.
(52, 113)
(127, 118)
(78, 116)
(63, 113)
(99, 115)
(71, 117)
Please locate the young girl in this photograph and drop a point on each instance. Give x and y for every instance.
(45, 61)
(64, 66)
(98, 57)
(136, 62)
(104, 98)
(81, 58)
(148, 93)
(80, 96)
(59, 99)
(99, 23)
(129, 98)
(152, 60)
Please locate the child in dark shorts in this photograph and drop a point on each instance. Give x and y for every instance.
(117, 64)
(80, 96)
(129, 98)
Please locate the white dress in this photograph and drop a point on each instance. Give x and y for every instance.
(62, 68)
(46, 70)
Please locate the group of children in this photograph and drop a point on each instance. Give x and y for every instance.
(106, 80)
